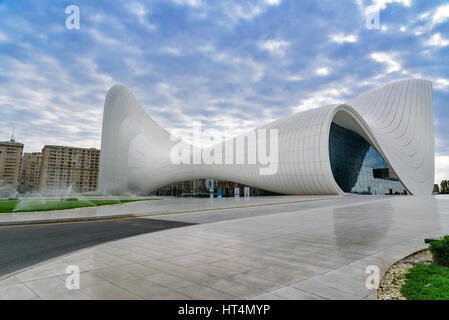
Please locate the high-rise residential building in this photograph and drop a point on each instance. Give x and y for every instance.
(64, 167)
(30, 173)
(10, 159)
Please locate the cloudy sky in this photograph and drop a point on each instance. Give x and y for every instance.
(231, 64)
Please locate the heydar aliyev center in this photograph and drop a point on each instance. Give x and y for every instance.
(381, 142)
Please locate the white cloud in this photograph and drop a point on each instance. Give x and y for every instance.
(387, 59)
(190, 3)
(244, 69)
(171, 51)
(103, 38)
(441, 14)
(206, 48)
(139, 10)
(245, 11)
(295, 78)
(378, 5)
(273, 2)
(3, 37)
(437, 41)
(274, 46)
(424, 15)
(441, 83)
(324, 71)
(33, 90)
(342, 38)
(321, 98)
(98, 17)
(229, 12)
(433, 17)
(137, 67)
(99, 37)
(441, 168)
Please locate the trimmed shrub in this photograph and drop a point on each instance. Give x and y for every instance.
(440, 251)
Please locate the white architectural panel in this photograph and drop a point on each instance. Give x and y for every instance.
(396, 119)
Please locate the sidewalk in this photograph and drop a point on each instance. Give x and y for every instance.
(319, 253)
(148, 208)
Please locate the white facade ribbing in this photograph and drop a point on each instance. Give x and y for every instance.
(396, 119)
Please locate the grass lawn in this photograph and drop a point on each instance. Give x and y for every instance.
(31, 205)
(426, 282)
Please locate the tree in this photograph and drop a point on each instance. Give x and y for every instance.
(444, 186)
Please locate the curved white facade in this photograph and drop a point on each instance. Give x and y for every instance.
(396, 119)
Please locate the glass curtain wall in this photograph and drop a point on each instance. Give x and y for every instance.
(353, 160)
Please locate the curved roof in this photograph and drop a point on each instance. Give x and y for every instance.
(397, 119)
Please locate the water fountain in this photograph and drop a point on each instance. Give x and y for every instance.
(7, 191)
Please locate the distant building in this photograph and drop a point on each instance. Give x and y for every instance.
(63, 167)
(10, 159)
(30, 173)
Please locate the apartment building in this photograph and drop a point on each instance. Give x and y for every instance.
(63, 167)
(10, 160)
(30, 173)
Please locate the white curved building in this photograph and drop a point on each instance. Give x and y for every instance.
(381, 142)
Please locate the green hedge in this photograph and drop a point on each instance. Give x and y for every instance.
(440, 251)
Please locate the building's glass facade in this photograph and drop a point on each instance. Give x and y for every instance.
(204, 187)
(353, 160)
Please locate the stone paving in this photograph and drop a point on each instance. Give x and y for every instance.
(311, 253)
(154, 207)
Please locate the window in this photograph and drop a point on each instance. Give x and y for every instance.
(353, 161)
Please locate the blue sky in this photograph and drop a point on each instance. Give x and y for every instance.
(231, 64)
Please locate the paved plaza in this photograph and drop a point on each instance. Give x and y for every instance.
(296, 248)
(163, 205)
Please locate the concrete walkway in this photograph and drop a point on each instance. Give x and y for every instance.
(152, 207)
(309, 253)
